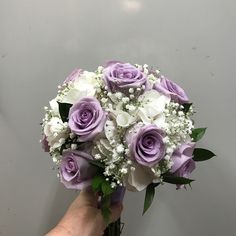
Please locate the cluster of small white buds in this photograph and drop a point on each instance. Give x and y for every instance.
(130, 107)
(156, 172)
(120, 148)
(129, 162)
(145, 69)
(55, 159)
(126, 151)
(131, 90)
(167, 157)
(125, 100)
(119, 95)
(131, 96)
(132, 168)
(113, 185)
(72, 135)
(97, 156)
(104, 100)
(124, 170)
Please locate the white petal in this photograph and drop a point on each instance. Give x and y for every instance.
(160, 121)
(139, 178)
(124, 119)
(111, 133)
(54, 105)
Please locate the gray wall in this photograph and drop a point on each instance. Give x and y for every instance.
(192, 42)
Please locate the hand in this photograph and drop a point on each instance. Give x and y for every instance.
(83, 218)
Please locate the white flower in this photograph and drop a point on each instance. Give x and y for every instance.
(124, 119)
(138, 178)
(111, 133)
(120, 148)
(104, 148)
(54, 106)
(56, 131)
(152, 107)
(83, 86)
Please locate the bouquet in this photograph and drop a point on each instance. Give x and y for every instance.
(122, 127)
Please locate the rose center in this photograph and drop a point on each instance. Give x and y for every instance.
(71, 167)
(148, 142)
(85, 116)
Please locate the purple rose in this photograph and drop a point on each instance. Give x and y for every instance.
(75, 170)
(147, 146)
(87, 118)
(169, 88)
(74, 74)
(44, 143)
(122, 76)
(183, 161)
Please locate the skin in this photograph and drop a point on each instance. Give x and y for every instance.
(83, 218)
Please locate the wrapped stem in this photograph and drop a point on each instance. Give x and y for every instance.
(113, 229)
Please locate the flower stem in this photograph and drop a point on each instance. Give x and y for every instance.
(113, 229)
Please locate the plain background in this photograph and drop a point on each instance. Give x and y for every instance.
(190, 41)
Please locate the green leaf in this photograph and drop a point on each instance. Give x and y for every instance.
(200, 154)
(176, 180)
(98, 164)
(63, 146)
(186, 107)
(106, 213)
(150, 193)
(97, 183)
(105, 207)
(106, 188)
(64, 109)
(198, 133)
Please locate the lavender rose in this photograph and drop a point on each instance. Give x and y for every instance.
(75, 170)
(122, 76)
(169, 88)
(183, 162)
(87, 118)
(147, 146)
(74, 74)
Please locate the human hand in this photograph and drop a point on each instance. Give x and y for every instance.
(83, 218)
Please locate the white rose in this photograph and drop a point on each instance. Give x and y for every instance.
(83, 86)
(139, 178)
(152, 107)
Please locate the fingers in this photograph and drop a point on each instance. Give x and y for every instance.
(116, 212)
(86, 198)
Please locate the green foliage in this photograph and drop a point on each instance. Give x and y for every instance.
(150, 193)
(64, 109)
(171, 179)
(96, 163)
(102, 186)
(105, 208)
(97, 183)
(186, 107)
(106, 188)
(197, 134)
(200, 154)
